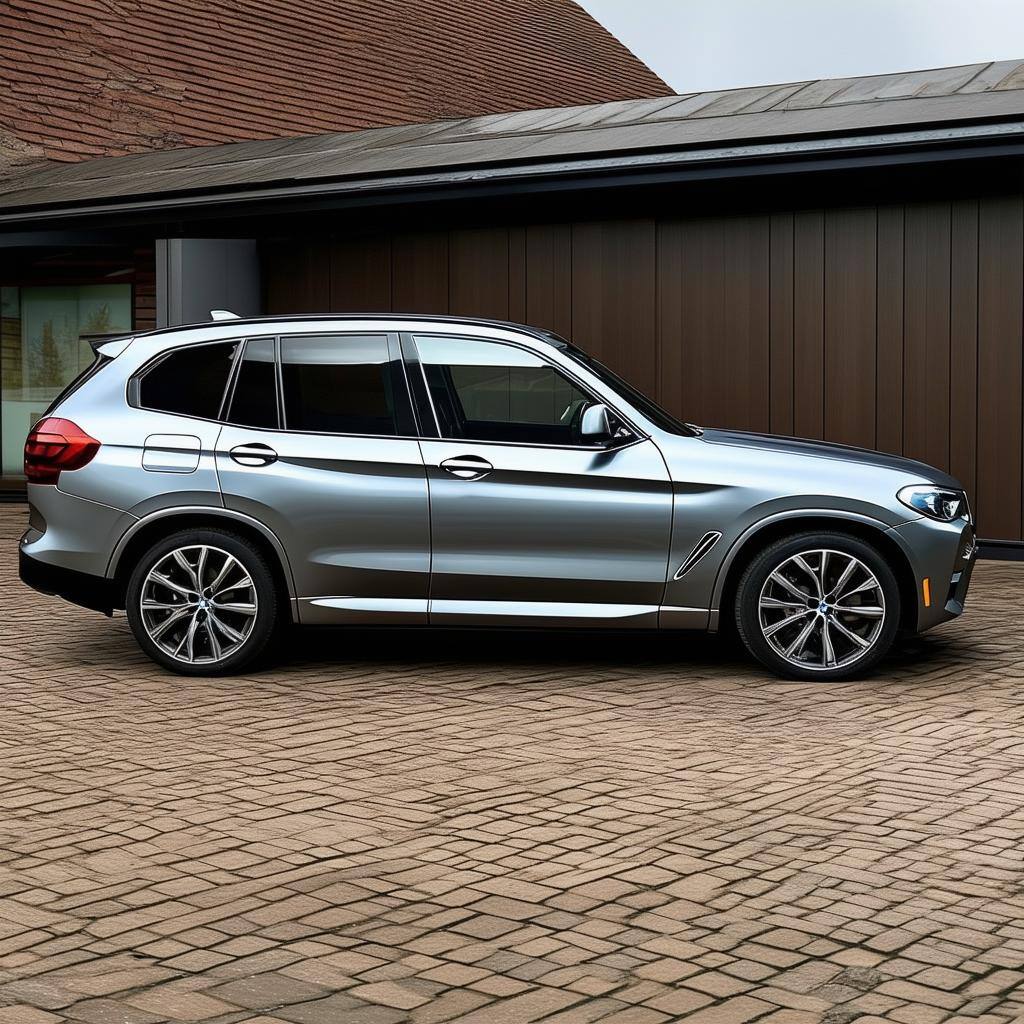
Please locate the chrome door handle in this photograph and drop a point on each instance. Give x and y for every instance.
(467, 467)
(255, 454)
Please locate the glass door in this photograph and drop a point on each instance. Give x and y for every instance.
(42, 349)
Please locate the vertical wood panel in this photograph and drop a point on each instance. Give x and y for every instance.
(889, 382)
(361, 275)
(781, 412)
(721, 300)
(850, 326)
(1000, 272)
(517, 274)
(549, 277)
(809, 324)
(297, 277)
(419, 273)
(613, 296)
(926, 334)
(478, 272)
(963, 345)
(671, 359)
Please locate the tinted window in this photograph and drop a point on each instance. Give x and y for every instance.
(340, 385)
(254, 400)
(487, 391)
(189, 381)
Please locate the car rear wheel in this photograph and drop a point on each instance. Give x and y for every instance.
(202, 602)
(818, 606)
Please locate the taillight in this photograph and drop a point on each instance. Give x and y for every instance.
(54, 444)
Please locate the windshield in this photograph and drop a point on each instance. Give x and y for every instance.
(637, 399)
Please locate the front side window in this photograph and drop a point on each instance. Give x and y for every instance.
(254, 398)
(488, 391)
(189, 381)
(344, 384)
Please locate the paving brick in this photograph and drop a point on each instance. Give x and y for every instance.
(578, 829)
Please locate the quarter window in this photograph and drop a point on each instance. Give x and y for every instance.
(487, 391)
(254, 400)
(189, 381)
(345, 384)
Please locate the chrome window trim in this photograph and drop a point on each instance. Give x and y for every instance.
(638, 435)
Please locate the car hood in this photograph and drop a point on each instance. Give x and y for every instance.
(920, 472)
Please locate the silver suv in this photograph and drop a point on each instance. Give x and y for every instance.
(222, 480)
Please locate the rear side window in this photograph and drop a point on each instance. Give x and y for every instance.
(189, 381)
(254, 399)
(343, 384)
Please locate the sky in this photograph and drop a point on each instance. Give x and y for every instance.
(722, 44)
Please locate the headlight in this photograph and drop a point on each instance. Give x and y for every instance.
(934, 502)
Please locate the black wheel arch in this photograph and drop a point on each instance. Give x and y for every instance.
(756, 540)
(156, 528)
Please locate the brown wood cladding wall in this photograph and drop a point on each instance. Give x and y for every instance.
(891, 327)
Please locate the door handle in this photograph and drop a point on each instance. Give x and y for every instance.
(467, 467)
(254, 454)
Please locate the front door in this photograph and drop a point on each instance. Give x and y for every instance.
(320, 447)
(531, 524)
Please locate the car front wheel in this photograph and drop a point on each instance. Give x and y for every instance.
(818, 606)
(202, 602)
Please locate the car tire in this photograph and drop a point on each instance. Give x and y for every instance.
(199, 630)
(818, 605)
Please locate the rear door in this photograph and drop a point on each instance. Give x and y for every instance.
(320, 446)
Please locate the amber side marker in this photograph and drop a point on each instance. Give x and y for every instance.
(926, 590)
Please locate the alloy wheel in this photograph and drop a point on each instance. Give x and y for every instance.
(198, 604)
(821, 609)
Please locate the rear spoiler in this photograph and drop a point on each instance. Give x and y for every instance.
(107, 345)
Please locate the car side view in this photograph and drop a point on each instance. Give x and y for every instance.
(222, 480)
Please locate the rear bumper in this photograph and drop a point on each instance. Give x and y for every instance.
(79, 588)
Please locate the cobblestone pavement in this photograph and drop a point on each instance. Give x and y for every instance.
(496, 829)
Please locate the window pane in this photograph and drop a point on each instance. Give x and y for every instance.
(189, 381)
(338, 385)
(254, 403)
(487, 391)
(42, 349)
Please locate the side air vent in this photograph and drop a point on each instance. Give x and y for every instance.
(702, 547)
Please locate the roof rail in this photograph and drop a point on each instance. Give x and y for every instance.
(223, 314)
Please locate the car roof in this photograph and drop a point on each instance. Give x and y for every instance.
(548, 337)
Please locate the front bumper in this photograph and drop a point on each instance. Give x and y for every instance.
(79, 588)
(943, 554)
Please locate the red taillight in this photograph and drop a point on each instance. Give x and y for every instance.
(54, 444)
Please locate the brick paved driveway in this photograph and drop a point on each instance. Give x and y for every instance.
(499, 829)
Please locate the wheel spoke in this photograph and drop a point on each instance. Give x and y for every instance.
(778, 602)
(771, 630)
(868, 611)
(229, 631)
(215, 648)
(186, 565)
(801, 562)
(217, 586)
(777, 577)
(165, 624)
(828, 653)
(844, 576)
(166, 581)
(204, 553)
(869, 584)
(241, 607)
(796, 647)
(850, 635)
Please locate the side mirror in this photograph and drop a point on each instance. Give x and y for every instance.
(596, 424)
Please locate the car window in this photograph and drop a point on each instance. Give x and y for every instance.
(189, 381)
(254, 399)
(342, 384)
(489, 391)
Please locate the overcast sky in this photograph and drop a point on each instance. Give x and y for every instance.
(722, 44)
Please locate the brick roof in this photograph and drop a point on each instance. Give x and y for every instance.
(109, 77)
